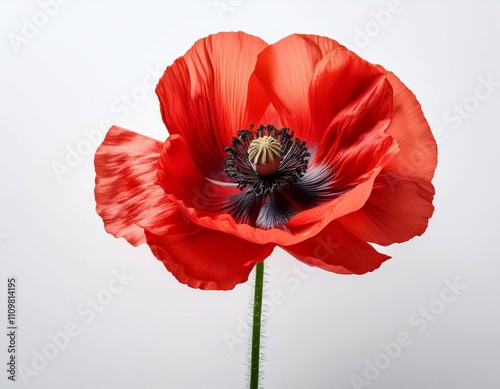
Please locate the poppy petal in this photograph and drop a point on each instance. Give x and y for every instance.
(300, 227)
(125, 191)
(342, 79)
(204, 258)
(285, 70)
(356, 117)
(337, 250)
(417, 157)
(398, 209)
(320, 216)
(180, 177)
(400, 205)
(208, 94)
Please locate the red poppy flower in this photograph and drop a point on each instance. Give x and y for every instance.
(299, 144)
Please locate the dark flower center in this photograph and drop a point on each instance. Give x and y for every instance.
(266, 160)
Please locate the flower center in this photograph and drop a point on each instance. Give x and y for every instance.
(266, 160)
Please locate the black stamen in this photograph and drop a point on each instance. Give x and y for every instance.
(291, 169)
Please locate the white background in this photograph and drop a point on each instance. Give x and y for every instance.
(73, 74)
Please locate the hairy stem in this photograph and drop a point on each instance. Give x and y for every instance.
(256, 325)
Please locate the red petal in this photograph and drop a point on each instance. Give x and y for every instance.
(340, 78)
(360, 102)
(208, 95)
(206, 259)
(317, 218)
(125, 191)
(203, 202)
(398, 209)
(285, 70)
(302, 226)
(352, 103)
(179, 176)
(401, 202)
(336, 250)
(417, 157)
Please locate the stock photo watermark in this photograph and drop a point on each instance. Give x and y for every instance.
(91, 139)
(293, 278)
(86, 312)
(379, 20)
(418, 321)
(11, 328)
(224, 6)
(32, 25)
(463, 110)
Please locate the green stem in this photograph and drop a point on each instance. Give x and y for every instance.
(257, 313)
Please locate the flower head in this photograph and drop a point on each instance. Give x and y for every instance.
(300, 144)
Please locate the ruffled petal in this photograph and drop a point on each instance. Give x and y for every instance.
(208, 94)
(353, 102)
(300, 227)
(335, 249)
(417, 158)
(223, 208)
(125, 191)
(398, 209)
(204, 258)
(285, 70)
(317, 218)
(400, 205)
(181, 179)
